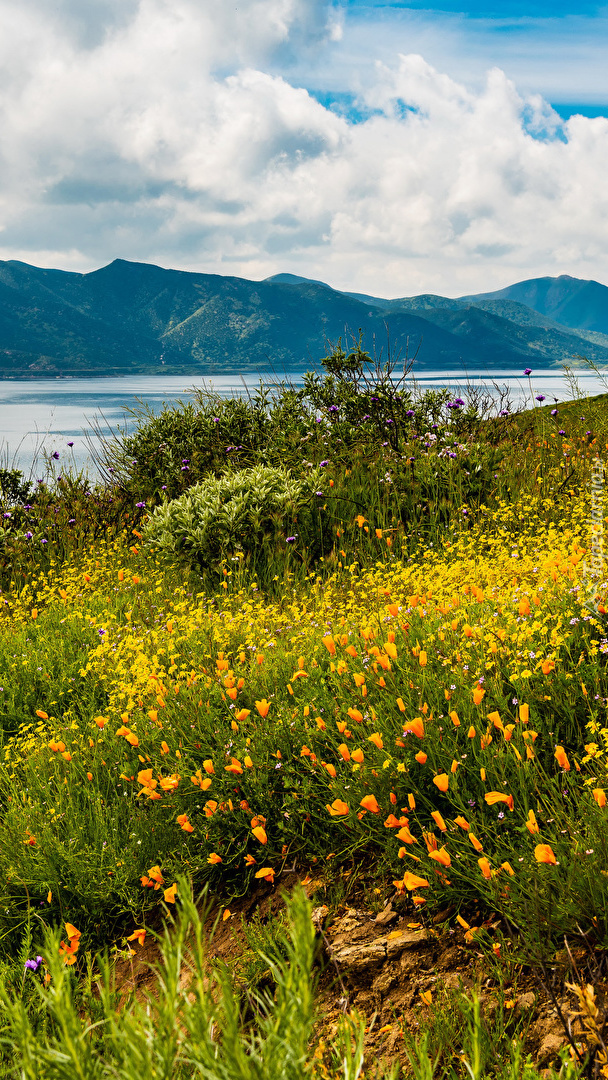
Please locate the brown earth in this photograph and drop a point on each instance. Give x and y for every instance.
(394, 971)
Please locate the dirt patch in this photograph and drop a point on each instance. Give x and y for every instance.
(393, 970)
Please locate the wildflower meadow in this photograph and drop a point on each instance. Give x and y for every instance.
(354, 633)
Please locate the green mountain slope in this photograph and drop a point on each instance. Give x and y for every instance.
(573, 302)
(135, 317)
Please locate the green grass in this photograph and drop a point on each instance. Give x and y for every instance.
(167, 719)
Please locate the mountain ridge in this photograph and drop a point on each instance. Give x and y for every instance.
(130, 317)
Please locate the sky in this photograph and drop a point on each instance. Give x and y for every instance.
(384, 147)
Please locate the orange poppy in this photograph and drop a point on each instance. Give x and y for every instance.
(376, 739)
(412, 881)
(416, 726)
(214, 858)
(358, 756)
(485, 868)
(234, 767)
(169, 783)
(208, 767)
(369, 802)
(462, 822)
(337, 808)
(170, 893)
(182, 820)
(138, 935)
(600, 796)
(441, 856)
(543, 853)
(437, 818)
(405, 835)
(263, 706)
(421, 757)
(478, 695)
(475, 842)
(493, 797)
(242, 714)
(442, 781)
(267, 873)
(146, 779)
(562, 759)
(355, 715)
(260, 834)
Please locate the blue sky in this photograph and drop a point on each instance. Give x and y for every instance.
(556, 49)
(388, 148)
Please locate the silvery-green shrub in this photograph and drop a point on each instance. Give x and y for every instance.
(238, 512)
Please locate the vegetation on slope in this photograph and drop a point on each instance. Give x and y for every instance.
(407, 678)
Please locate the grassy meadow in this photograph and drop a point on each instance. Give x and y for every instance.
(352, 632)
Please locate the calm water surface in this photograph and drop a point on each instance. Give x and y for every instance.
(46, 414)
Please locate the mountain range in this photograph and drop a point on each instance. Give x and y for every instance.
(133, 317)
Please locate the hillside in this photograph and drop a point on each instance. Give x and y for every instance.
(139, 318)
(581, 305)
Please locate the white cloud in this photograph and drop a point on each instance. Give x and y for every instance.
(162, 131)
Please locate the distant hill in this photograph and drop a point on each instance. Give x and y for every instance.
(573, 302)
(135, 317)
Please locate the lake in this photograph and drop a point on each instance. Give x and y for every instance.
(44, 415)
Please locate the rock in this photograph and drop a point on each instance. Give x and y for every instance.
(361, 957)
(549, 1049)
(444, 914)
(372, 953)
(399, 940)
(383, 918)
(450, 958)
(383, 982)
(525, 1002)
(365, 1001)
(318, 916)
(411, 963)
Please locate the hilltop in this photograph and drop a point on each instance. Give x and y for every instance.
(132, 317)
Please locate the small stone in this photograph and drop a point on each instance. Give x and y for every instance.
(525, 1002)
(318, 916)
(384, 981)
(549, 1049)
(383, 918)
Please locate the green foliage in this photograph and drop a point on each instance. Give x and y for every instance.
(241, 513)
(187, 1025)
(192, 1022)
(14, 488)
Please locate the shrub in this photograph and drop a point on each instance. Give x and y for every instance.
(242, 512)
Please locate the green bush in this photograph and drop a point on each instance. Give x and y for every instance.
(240, 513)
